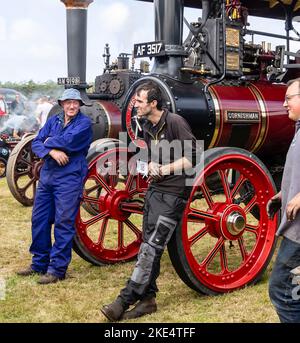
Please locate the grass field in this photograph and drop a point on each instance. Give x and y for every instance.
(78, 298)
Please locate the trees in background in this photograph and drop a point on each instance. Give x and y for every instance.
(33, 89)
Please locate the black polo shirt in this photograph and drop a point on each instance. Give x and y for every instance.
(170, 139)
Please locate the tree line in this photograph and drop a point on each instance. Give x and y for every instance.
(29, 88)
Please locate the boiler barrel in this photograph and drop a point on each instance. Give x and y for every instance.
(251, 116)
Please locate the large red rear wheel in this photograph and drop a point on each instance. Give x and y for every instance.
(226, 240)
(109, 221)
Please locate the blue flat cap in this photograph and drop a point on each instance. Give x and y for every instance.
(71, 94)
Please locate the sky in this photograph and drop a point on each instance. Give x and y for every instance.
(33, 35)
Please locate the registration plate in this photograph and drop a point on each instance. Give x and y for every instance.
(149, 49)
(74, 80)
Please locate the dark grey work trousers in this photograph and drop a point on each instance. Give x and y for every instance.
(162, 215)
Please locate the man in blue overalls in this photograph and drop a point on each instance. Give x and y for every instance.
(62, 143)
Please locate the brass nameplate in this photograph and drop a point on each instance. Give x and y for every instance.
(232, 61)
(232, 37)
(241, 117)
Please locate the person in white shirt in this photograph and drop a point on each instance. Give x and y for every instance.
(3, 107)
(42, 110)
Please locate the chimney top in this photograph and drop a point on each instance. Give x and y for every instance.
(77, 3)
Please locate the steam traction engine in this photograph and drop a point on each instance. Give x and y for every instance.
(231, 93)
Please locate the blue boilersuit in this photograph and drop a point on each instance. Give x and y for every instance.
(59, 191)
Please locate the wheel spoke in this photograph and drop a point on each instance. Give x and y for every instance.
(113, 180)
(91, 189)
(226, 186)
(223, 259)
(213, 252)
(132, 207)
(22, 173)
(22, 159)
(132, 227)
(89, 199)
(96, 218)
(252, 229)
(104, 184)
(120, 235)
(251, 204)
(129, 182)
(192, 240)
(242, 248)
(23, 189)
(237, 186)
(102, 231)
(195, 215)
(207, 195)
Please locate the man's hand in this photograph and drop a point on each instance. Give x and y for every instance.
(59, 156)
(165, 169)
(274, 205)
(293, 207)
(154, 171)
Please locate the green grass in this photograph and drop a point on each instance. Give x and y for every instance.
(78, 298)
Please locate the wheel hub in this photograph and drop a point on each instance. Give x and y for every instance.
(112, 203)
(231, 223)
(235, 223)
(36, 169)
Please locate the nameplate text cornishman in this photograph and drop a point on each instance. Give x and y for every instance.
(241, 117)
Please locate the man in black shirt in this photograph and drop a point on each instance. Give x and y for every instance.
(172, 150)
(17, 106)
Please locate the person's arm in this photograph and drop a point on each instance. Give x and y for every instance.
(274, 205)
(38, 146)
(293, 207)
(180, 164)
(73, 140)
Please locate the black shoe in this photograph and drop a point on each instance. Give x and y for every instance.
(143, 307)
(49, 278)
(28, 271)
(113, 311)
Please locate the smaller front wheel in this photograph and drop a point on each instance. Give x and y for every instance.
(109, 220)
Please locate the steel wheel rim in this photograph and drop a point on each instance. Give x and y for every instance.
(23, 172)
(253, 260)
(116, 204)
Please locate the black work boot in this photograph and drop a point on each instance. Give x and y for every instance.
(49, 278)
(143, 307)
(28, 272)
(113, 311)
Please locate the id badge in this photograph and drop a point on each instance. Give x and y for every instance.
(142, 167)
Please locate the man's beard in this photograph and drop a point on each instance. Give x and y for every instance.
(145, 115)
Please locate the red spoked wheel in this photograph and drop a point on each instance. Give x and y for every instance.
(23, 171)
(226, 240)
(111, 231)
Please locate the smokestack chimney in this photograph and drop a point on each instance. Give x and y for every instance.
(76, 38)
(168, 28)
(205, 9)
